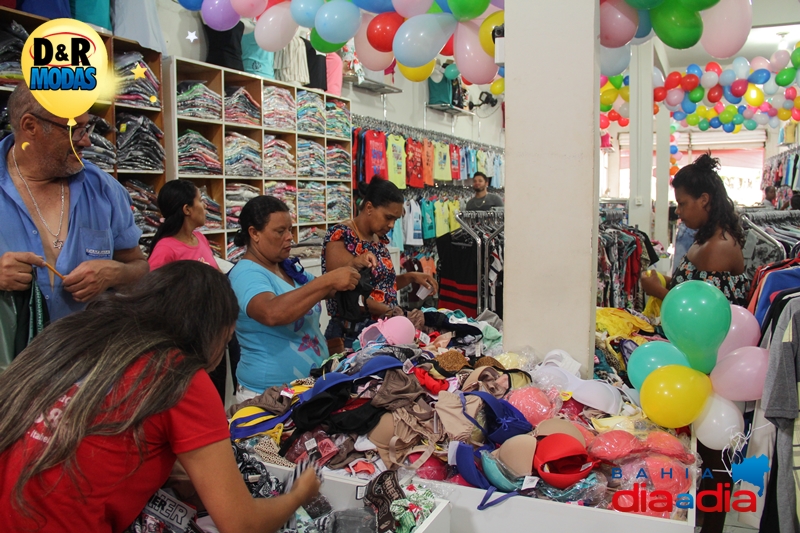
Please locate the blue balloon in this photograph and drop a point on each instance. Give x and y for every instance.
(420, 39)
(373, 6)
(626, 81)
(502, 72)
(679, 115)
(191, 5)
(760, 76)
(741, 109)
(645, 27)
(673, 149)
(727, 77)
(337, 21)
(730, 98)
(442, 4)
(715, 122)
(694, 69)
(729, 127)
(688, 106)
(304, 11)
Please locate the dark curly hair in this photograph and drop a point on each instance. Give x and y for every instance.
(701, 177)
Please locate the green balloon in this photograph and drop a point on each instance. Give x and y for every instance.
(726, 117)
(738, 119)
(786, 76)
(697, 94)
(703, 125)
(673, 128)
(796, 57)
(693, 119)
(464, 10)
(643, 4)
(699, 5)
(435, 9)
(321, 45)
(651, 356)
(616, 81)
(750, 124)
(677, 26)
(451, 72)
(605, 108)
(696, 318)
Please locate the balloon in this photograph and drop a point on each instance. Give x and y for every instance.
(779, 60)
(694, 69)
(375, 6)
(673, 170)
(644, 4)
(786, 76)
(658, 78)
(726, 27)
(613, 115)
(784, 114)
(451, 72)
(697, 94)
(796, 114)
(741, 67)
(750, 124)
(699, 5)
(249, 8)
(485, 31)
(649, 357)
(690, 82)
(659, 94)
(790, 93)
(687, 105)
(412, 8)
(369, 57)
(740, 375)
(464, 10)
(191, 5)
(499, 3)
(727, 78)
(677, 26)
(795, 57)
(675, 96)
(739, 87)
(696, 318)
(625, 110)
(472, 61)
(693, 120)
(673, 396)
(678, 115)
(730, 97)
(420, 39)
(304, 11)
(673, 149)
(448, 50)
(738, 119)
(644, 30)
(713, 66)
(762, 119)
(718, 423)
(709, 80)
(703, 125)
(498, 86)
(604, 108)
(618, 23)
(777, 101)
(760, 76)
(417, 74)
(604, 122)
(382, 29)
(714, 94)
(754, 96)
(275, 28)
(774, 123)
(321, 45)
(797, 102)
(219, 14)
(759, 63)
(673, 80)
(616, 81)
(338, 21)
(614, 61)
(442, 5)
(623, 122)
(625, 93)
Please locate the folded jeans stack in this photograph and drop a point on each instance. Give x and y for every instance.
(242, 156)
(278, 158)
(145, 208)
(141, 92)
(338, 122)
(311, 201)
(240, 107)
(285, 193)
(310, 112)
(339, 204)
(138, 143)
(12, 39)
(236, 195)
(280, 110)
(338, 161)
(310, 159)
(196, 100)
(197, 155)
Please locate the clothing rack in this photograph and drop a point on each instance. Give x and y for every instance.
(484, 227)
(782, 170)
(613, 216)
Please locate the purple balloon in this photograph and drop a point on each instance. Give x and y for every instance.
(219, 14)
(499, 3)
(740, 376)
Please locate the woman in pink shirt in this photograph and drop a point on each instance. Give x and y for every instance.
(178, 238)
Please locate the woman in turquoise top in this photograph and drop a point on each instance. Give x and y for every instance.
(279, 304)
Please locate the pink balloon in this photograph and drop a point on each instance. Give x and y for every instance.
(765, 107)
(726, 27)
(473, 62)
(603, 80)
(489, 10)
(744, 331)
(219, 14)
(759, 62)
(675, 96)
(719, 107)
(772, 112)
(249, 8)
(748, 113)
(366, 53)
(790, 93)
(740, 376)
(275, 28)
(779, 60)
(678, 156)
(618, 23)
(412, 8)
(684, 124)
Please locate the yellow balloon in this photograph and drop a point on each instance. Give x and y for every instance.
(797, 102)
(702, 111)
(625, 93)
(784, 114)
(673, 396)
(609, 96)
(498, 86)
(607, 86)
(72, 70)
(797, 44)
(738, 128)
(485, 31)
(417, 73)
(754, 96)
(711, 113)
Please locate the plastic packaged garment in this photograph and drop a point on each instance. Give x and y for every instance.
(240, 107)
(339, 163)
(339, 202)
(139, 143)
(144, 202)
(310, 112)
(236, 196)
(12, 39)
(197, 155)
(310, 159)
(534, 404)
(338, 119)
(280, 110)
(278, 158)
(311, 202)
(242, 155)
(196, 100)
(141, 92)
(213, 211)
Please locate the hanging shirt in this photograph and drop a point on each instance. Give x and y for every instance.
(225, 47)
(428, 162)
(455, 207)
(481, 157)
(335, 68)
(428, 219)
(136, 20)
(397, 236)
(442, 215)
(413, 223)
(317, 68)
(463, 164)
(97, 12)
(441, 169)
(414, 164)
(256, 60)
(375, 155)
(472, 162)
(396, 155)
(52, 9)
(455, 162)
(291, 63)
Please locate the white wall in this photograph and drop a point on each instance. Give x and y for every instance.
(405, 108)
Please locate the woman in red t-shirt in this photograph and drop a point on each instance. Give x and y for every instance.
(99, 406)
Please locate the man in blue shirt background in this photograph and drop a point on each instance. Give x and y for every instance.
(74, 216)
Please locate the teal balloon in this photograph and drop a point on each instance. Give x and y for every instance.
(643, 4)
(750, 124)
(738, 119)
(703, 124)
(696, 318)
(651, 356)
(451, 72)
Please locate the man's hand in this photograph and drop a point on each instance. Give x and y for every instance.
(90, 278)
(16, 270)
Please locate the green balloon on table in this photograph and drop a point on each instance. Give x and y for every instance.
(676, 25)
(697, 94)
(643, 4)
(796, 57)
(786, 77)
(699, 5)
(652, 356)
(451, 72)
(321, 45)
(704, 124)
(696, 318)
(464, 10)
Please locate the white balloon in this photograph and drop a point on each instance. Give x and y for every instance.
(774, 123)
(614, 61)
(771, 87)
(709, 79)
(762, 118)
(718, 423)
(658, 78)
(275, 28)
(625, 110)
(741, 66)
(778, 100)
(642, 40)
(779, 60)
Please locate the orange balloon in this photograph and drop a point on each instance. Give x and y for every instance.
(673, 171)
(656, 109)
(672, 160)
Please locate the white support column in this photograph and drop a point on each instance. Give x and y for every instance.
(641, 106)
(613, 169)
(552, 158)
(662, 178)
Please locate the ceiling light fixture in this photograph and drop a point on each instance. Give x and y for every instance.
(784, 44)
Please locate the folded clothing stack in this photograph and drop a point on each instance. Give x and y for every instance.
(234, 252)
(213, 212)
(339, 204)
(311, 201)
(280, 110)
(12, 39)
(138, 143)
(101, 152)
(338, 163)
(197, 155)
(236, 195)
(310, 112)
(285, 193)
(310, 159)
(196, 100)
(242, 156)
(338, 119)
(216, 248)
(240, 107)
(145, 208)
(278, 158)
(141, 92)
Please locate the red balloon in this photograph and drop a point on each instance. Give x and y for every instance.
(466, 81)
(624, 121)
(690, 82)
(739, 87)
(790, 93)
(448, 48)
(796, 114)
(604, 122)
(659, 94)
(381, 30)
(673, 80)
(613, 115)
(713, 66)
(715, 93)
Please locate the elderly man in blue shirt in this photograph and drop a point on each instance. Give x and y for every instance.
(73, 216)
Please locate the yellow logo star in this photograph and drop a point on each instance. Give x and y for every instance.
(139, 71)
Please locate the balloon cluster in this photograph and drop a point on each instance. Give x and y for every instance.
(707, 336)
(675, 153)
